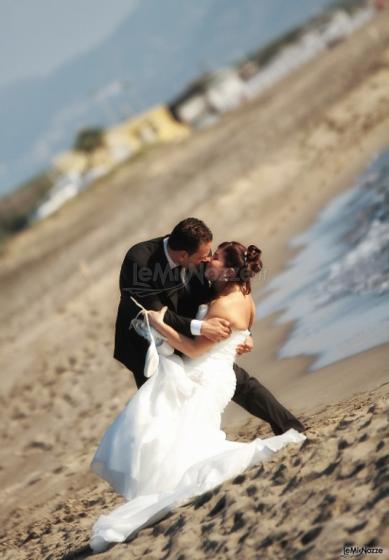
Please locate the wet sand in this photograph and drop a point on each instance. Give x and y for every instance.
(260, 175)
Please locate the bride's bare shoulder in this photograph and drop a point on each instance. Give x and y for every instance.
(232, 307)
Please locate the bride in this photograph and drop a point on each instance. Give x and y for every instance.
(166, 446)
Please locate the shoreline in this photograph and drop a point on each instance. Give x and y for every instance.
(274, 336)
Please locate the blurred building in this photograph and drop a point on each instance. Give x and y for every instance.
(310, 42)
(77, 170)
(67, 187)
(153, 126)
(209, 96)
(248, 69)
(124, 140)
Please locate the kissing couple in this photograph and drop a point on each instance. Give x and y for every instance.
(185, 312)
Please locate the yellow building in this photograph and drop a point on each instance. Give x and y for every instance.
(126, 139)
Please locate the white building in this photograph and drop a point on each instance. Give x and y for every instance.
(225, 91)
(210, 96)
(67, 187)
(339, 27)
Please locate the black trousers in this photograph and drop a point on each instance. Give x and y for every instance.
(251, 395)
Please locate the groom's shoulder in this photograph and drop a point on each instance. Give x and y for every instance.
(144, 250)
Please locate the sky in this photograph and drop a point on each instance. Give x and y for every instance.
(27, 27)
(54, 53)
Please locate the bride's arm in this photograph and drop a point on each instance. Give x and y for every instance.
(191, 347)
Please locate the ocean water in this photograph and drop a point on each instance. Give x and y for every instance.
(336, 288)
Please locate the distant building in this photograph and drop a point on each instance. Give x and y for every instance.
(124, 140)
(77, 170)
(153, 126)
(288, 58)
(338, 28)
(67, 187)
(209, 96)
(305, 46)
(248, 69)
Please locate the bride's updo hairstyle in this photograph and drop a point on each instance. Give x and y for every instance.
(245, 261)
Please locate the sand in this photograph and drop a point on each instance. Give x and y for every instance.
(260, 175)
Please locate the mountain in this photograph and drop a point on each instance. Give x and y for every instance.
(148, 59)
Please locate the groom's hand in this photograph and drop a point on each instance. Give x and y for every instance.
(215, 329)
(247, 346)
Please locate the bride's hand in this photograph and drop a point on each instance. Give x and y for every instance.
(247, 346)
(156, 317)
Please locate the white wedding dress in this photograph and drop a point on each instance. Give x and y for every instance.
(166, 446)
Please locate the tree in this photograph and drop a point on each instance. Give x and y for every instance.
(87, 141)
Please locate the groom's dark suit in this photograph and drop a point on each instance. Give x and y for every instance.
(145, 274)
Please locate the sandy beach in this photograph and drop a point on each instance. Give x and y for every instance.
(259, 175)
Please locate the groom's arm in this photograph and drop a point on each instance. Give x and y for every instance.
(200, 344)
(134, 283)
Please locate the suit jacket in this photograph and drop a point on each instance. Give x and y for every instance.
(145, 275)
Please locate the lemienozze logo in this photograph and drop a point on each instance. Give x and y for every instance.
(354, 551)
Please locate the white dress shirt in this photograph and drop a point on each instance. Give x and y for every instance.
(195, 325)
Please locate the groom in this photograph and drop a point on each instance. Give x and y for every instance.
(169, 271)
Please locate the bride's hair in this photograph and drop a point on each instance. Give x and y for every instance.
(245, 261)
